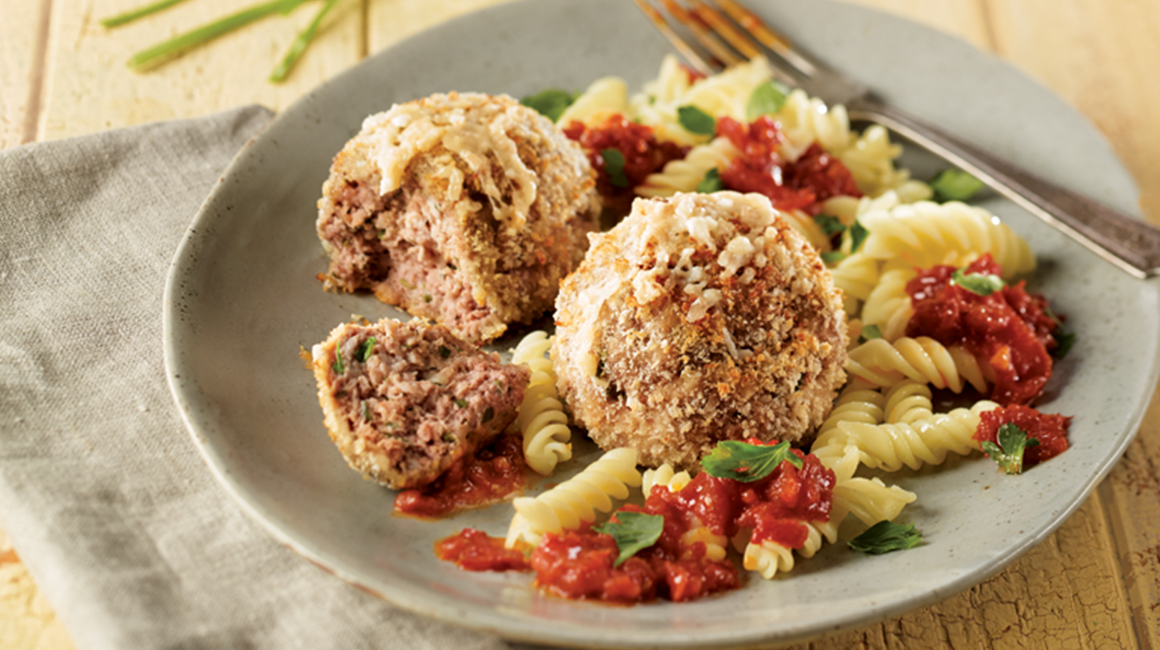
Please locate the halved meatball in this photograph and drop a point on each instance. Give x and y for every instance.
(403, 401)
(467, 209)
(699, 318)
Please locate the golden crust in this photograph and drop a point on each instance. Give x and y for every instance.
(699, 318)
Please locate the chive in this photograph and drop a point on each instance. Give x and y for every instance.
(209, 32)
(406, 285)
(364, 350)
(140, 12)
(366, 411)
(338, 369)
(299, 46)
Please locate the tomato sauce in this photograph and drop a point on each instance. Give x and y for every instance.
(643, 155)
(474, 550)
(1049, 429)
(1009, 330)
(790, 185)
(485, 477)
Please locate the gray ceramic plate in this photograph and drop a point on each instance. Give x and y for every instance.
(242, 298)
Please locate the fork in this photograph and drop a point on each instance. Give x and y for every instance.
(731, 33)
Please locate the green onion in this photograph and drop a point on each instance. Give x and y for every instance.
(209, 32)
(300, 44)
(140, 12)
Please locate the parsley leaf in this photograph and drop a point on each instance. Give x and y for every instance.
(978, 283)
(954, 185)
(745, 462)
(633, 531)
(1013, 441)
(1064, 341)
(886, 536)
(550, 103)
(711, 183)
(830, 225)
(767, 98)
(695, 120)
(870, 332)
(444, 351)
(338, 368)
(614, 165)
(364, 350)
(833, 257)
(858, 234)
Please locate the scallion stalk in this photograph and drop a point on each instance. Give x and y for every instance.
(300, 44)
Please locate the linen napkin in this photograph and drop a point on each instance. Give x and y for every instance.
(102, 491)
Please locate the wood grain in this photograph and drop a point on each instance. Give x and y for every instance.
(90, 89)
(22, 31)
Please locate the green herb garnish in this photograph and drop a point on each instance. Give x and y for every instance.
(870, 332)
(633, 531)
(550, 103)
(711, 183)
(858, 234)
(1064, 341)
(954, 185)
(695, 120)
(298, 47)
(745, 462)
(364, 350)
(977, 283)
(767, 98)
(886, 536)
(427, 297)
(448, 437)
(614, 166)
(140, 12)
(461, 403)
(1013, 441)
(444, 351)
(833, 257)
(488, 415)
(406, 285)
(338, 367)
(206, 33)
(366, 411)
(830, 225)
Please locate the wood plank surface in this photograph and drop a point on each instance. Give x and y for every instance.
(23, 28)
(1094, 584)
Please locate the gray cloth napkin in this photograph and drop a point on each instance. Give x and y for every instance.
(102, 491)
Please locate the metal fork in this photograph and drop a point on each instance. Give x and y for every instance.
(731, 33)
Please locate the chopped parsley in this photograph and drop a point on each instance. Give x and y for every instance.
(954, 185)
(886, 536)
(488, 415)
(1064, 342)
(633, 532)
(833, 257)
(977, 283)
(614, 166)
(830, 225)
(366, 411)
(744, 462)
(695, 120)
(711, 183)
(364, 350)
(858, 234)
(1013, 441)
(444, 351)
(338, 367)
(550, 103)
(767, 98)
(461, 403)
(427, 297)
(870, 332)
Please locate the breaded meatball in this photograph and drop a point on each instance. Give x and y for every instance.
(699, 318)
(403, 401)
(467, 209)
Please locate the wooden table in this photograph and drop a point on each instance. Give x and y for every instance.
(1094, 584)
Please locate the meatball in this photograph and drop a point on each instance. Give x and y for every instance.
(403, 401)
(697, 319)
(467, 209)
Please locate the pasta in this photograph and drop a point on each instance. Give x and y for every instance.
(605, 97)
(888, 306)
(928, 440)
(908, 401)
(576, 500)
(541, 419)
(663, 476)
(685, 174)
(923, 359)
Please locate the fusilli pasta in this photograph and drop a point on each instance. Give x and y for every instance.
(888, 306)
(921, 359)
(542, 421)
(664, 476)
(576, 500)
(604, 97)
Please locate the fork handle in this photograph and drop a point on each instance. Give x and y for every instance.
(1129, 243)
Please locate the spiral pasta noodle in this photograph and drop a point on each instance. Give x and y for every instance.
(768, 558)
(908, 401)
(921, 359)
(923, 441)
(664, 476)
(889, 306)
(576, 500)
(604, 97)
(541, 419)
(685, 174)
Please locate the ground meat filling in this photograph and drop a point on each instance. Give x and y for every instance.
(404, 401)
(465, 209)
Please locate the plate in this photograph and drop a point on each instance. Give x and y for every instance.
(242, 299)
